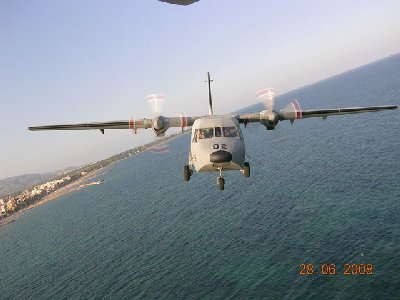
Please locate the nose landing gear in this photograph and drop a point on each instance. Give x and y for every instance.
(221, 180)
(187, 172)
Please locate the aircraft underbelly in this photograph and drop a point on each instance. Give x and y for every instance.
(215, 167)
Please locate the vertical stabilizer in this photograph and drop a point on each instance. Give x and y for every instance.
(210, 109)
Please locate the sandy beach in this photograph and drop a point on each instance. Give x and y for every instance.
(54, 195)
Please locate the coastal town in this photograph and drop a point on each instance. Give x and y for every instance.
(11, 204)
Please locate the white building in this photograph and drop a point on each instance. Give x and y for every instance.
(2, 209)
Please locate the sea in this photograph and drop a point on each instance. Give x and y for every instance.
(317, 219)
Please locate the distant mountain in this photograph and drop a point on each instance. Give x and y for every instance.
(16, 184)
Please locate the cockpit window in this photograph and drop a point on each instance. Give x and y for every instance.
(230, 131)
(218, 132)
(205, 133)
(195, 135)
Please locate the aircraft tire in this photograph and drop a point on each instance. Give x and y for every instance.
(221, 183)
(246, 169)
(186, 173)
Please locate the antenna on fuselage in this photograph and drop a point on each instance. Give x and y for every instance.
(209, 80)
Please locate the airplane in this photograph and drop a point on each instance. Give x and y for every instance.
(180, 2)
(217, 143)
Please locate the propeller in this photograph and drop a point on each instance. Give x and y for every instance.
(159, 123)
(267, 97)
(268, 117)
(156, 102)
(291, 111)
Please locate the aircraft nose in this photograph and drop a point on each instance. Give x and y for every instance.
(220, 156)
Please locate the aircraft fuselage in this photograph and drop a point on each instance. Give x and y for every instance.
(216, 142)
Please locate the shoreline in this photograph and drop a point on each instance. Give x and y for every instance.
(73, 186)
(76, 185)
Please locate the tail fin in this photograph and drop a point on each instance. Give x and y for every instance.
(210, 109)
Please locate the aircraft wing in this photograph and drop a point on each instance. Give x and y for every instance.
(295, 113)
(324, 113)
(159, 124)
(145, 123)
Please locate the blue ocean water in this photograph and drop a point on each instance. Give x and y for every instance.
(320, 192)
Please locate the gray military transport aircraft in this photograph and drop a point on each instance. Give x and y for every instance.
(217, 142)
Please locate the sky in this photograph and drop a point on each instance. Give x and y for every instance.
(95, 60)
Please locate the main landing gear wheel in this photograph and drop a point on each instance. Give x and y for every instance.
(221, 183)
(186, 173)
(246, 169)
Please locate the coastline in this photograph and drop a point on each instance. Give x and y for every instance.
(73, 186)
(78, 184)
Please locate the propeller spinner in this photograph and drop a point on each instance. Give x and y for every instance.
(159, 123)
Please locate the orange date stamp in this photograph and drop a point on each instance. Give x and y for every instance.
(333, 269)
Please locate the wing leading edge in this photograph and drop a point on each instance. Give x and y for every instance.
(324, 113)
(297, 113)
(144, 123)
(159, 124)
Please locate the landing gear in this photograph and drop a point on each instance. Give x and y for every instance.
(221, 180)
(221, 183)
(187, 172)
(246, 169)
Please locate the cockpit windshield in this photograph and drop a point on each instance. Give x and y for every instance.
(230, 131)
(210, 132)
(204, 133)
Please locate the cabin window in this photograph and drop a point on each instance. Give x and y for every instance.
(230, 131)
(218, 132)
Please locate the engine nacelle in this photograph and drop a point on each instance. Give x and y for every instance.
(269, 119)
(160, 125)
